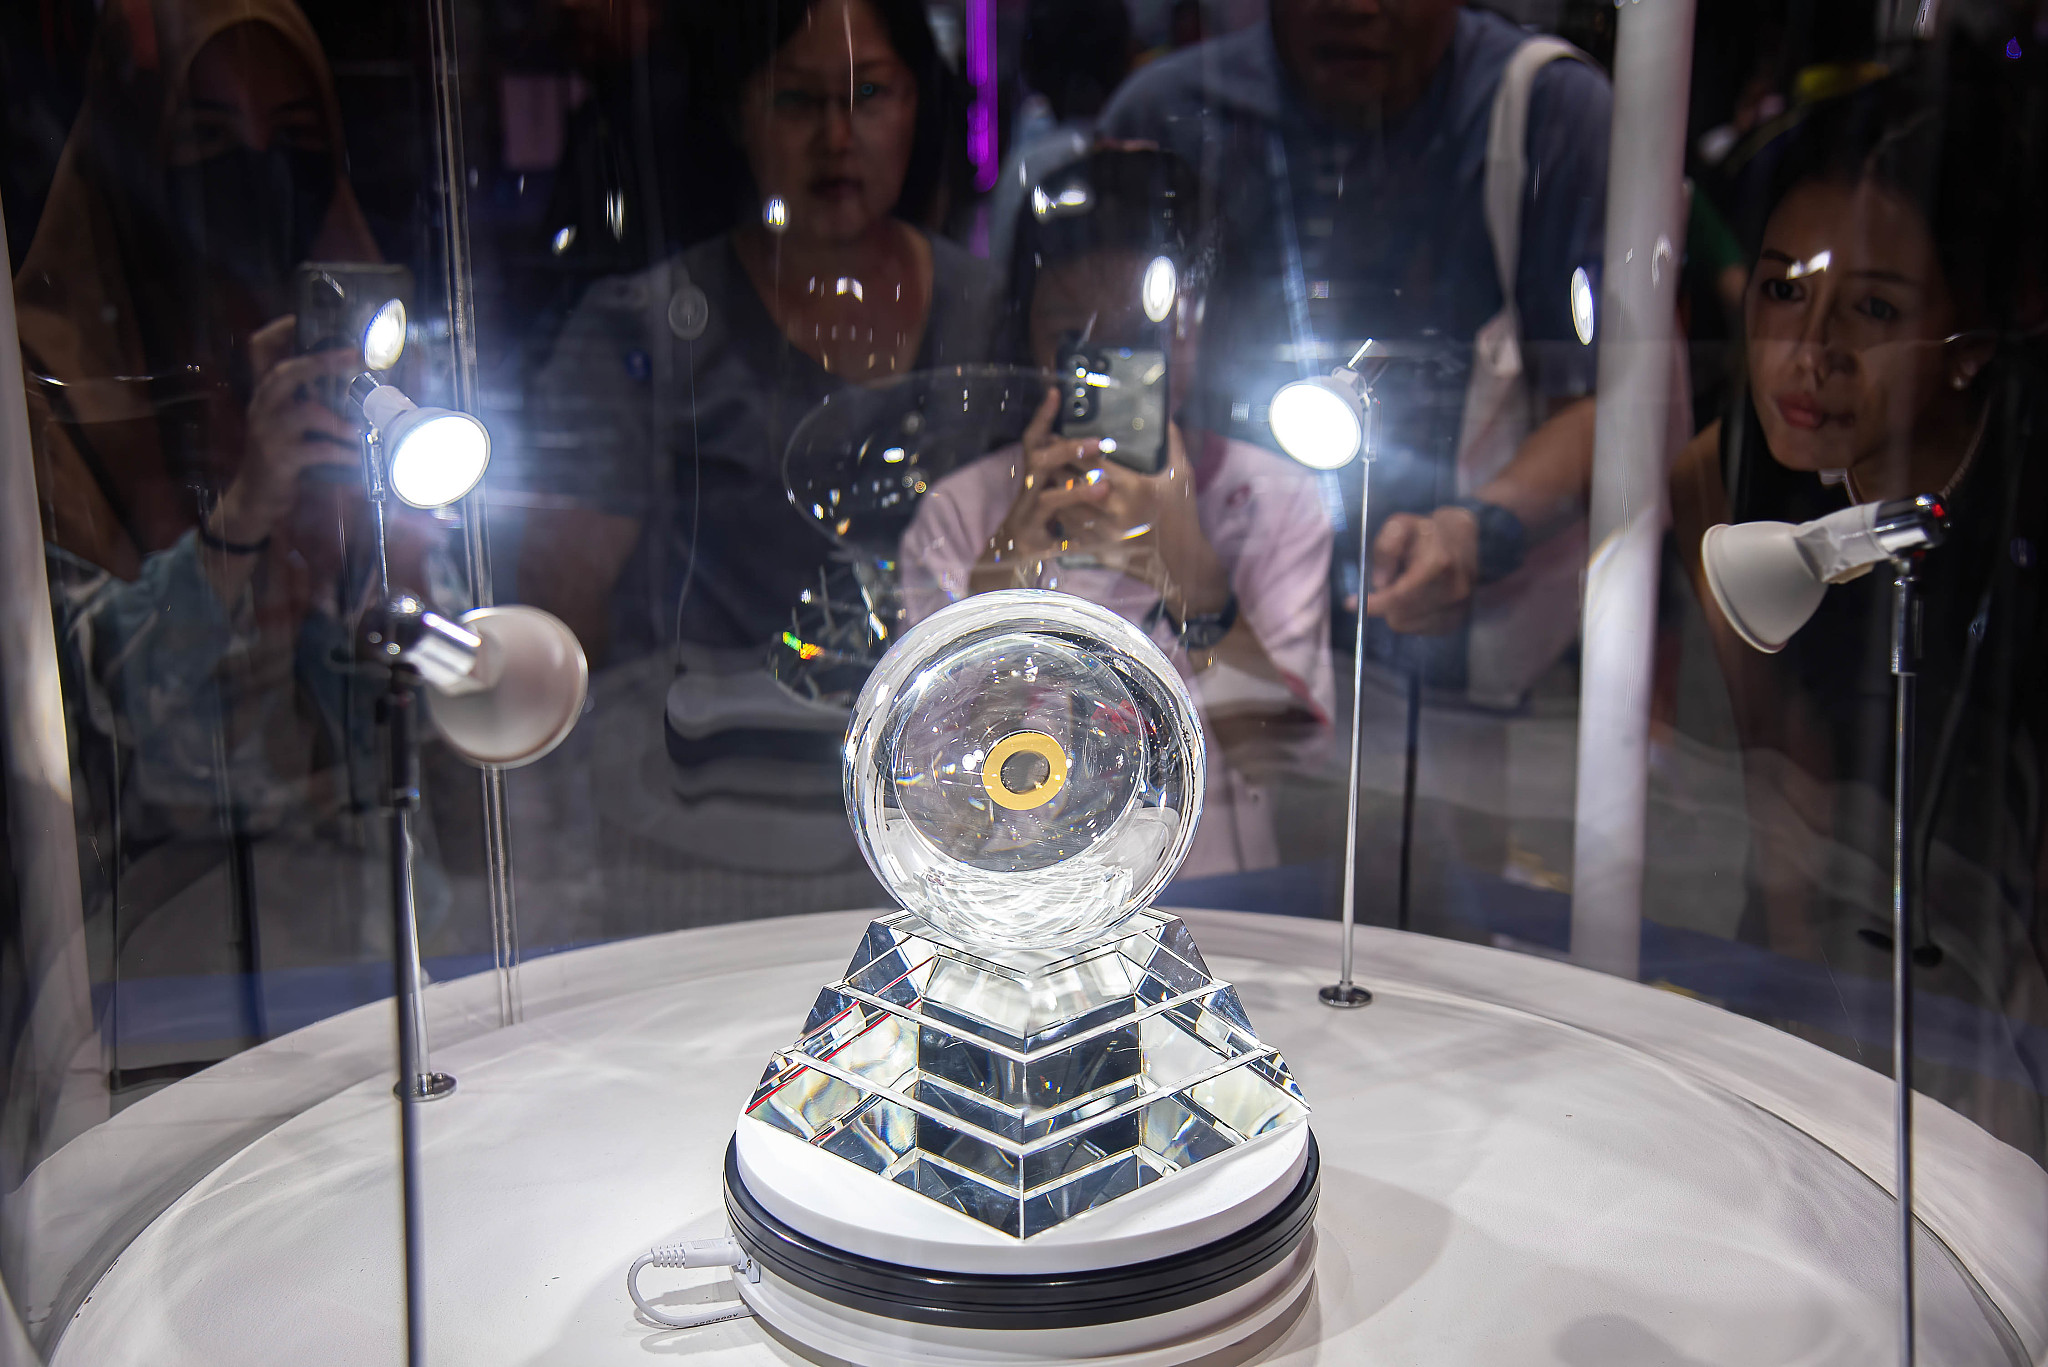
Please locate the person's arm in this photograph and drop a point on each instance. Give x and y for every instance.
(142, 662)
(1428, 566)
(290, 430)
(1281, 579)
(938, 549)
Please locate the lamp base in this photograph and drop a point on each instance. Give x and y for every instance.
(1346, 996)
(427, 1087)
(1069, 1307)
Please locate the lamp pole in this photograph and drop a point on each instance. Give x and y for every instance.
(1905, 530)
(400, 716)
(1905, 672)
(1767, 579)
(1344, 993)
(1408, 794)
(398, 711)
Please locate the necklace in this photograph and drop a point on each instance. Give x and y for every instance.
(1954, 480)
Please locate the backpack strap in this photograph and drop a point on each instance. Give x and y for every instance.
(1507, 152)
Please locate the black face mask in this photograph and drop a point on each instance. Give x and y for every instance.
(253, 215)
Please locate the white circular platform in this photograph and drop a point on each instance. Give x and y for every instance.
(807, 1189)
(1523, 1163)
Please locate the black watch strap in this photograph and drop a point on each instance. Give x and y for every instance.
(1503, 540)
(1205, 630)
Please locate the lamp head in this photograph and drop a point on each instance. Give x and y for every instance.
(1769, 577)
(505, 685)
(432, 456)
(384, 338)
(1326, 420)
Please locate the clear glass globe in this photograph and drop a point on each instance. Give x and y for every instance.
(1024, 770)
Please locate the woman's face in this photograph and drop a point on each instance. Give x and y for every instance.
(247, 88)
(1846, 315)
(828, 124)
(251, 173)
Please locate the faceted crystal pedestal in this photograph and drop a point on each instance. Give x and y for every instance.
(1025, 1087)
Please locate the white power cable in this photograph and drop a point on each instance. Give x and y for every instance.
(694, 1253)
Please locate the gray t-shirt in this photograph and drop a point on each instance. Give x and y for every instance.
(633, 414)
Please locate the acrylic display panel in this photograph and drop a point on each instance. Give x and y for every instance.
(612, 265)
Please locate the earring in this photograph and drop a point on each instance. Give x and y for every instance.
(1961, 379)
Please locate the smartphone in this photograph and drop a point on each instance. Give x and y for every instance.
(1116, 393)
(335, 300)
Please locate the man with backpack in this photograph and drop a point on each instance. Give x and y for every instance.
(1432, 177)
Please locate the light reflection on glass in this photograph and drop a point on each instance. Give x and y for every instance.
(1813, 265)
(1582, 306)
(384, 338)
(1158, 289)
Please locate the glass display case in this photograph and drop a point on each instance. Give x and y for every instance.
(1090, 681)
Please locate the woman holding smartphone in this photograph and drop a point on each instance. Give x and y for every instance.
(1218, 548)
(673, 392)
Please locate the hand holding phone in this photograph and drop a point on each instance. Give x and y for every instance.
(291, 434)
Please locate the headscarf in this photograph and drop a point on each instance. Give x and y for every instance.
(134, 354)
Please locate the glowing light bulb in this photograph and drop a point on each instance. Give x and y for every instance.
(1582, 306)
(438, 458)
(1158, 289)
(432, 456)
(384, 338)
(1319, 422)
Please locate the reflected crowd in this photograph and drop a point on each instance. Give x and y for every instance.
(794, 321)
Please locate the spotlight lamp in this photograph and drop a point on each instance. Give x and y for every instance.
(428, 457)
(504, 684)
(1326, 421)
(1769, 577)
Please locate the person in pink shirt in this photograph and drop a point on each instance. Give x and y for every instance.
(1222, 554)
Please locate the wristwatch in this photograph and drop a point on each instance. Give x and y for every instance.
(1503, 540)
(1205, 630)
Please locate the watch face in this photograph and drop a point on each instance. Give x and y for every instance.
(1024, 769)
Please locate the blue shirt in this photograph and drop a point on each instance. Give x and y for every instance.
(1387, 226)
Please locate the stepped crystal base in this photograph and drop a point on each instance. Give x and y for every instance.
(1025, 1090)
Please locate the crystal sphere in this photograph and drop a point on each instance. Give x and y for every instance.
(1024, 770)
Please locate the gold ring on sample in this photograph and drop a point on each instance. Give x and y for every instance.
(1025, 743)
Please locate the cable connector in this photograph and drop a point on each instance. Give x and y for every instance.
(724, 1252)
